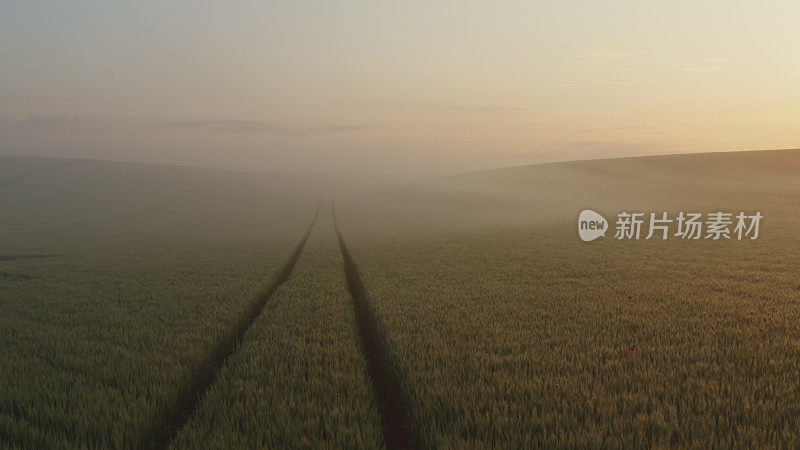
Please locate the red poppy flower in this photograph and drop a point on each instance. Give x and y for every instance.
(630, 297)
(366, 421)
(330, 362)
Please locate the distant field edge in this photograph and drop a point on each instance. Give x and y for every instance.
(206, 374)
(25, 256)
(391, 399)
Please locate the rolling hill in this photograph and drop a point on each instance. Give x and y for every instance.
(141, 303)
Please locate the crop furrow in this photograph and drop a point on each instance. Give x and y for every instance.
(392, 401)
(206, 375)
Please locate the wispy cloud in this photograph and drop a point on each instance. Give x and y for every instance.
(600, 149)
(61, 123)
(607, 53)
(490, 109)
(558, 85)
(255, 126)
(708, 65)
(16, 100)
(628, 82)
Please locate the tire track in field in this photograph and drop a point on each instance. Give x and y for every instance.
(392, 401)
(206, 375)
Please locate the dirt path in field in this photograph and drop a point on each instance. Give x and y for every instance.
(206, 375)
(392, 401)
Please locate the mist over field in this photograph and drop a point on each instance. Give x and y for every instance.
(460, 310)
(46, 197)
(407, 225)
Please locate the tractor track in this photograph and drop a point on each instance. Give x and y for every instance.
(391, 399)
(205, 376)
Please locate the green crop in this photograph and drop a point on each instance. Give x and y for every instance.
(298, 380)
(184, 308)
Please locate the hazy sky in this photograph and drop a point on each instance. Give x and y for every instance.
(427, 86)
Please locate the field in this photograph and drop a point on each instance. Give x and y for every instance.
(118, 286)
(298, 380)
(154, 306)
(522, 335)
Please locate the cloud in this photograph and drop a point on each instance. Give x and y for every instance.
(599, 149)
(71, 124)
(16, 100)
(558, 85)
(709, 65)
(628, 82)
(490, 109)
(254, 126)
(608, 53)
(61, 123)
(639, 128)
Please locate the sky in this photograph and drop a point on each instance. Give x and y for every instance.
(422, 87)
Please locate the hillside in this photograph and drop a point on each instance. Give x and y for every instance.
(756, 180)
(51, 203)
(507, 330)
(141, 303)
